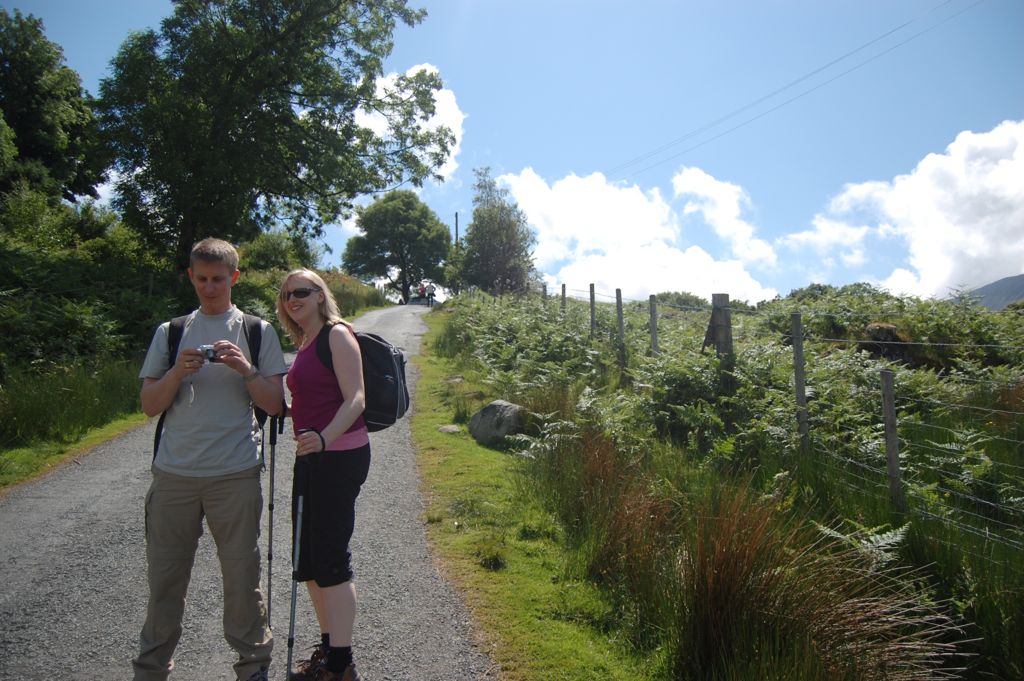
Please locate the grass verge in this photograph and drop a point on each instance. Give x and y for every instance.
(26, 463)
(503, 552)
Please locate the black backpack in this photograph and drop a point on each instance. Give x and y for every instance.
(387, 397)
(252, 328)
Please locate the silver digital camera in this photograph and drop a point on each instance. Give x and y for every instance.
(209, 354)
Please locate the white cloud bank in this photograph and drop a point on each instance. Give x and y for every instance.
(616, 236)
(960, 215)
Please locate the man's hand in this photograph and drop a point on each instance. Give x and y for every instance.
(231, 355)
(189, 361)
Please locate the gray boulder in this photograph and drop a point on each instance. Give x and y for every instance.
(490, 425)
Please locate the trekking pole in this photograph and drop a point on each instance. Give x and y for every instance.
(295, 584)
(275, 422)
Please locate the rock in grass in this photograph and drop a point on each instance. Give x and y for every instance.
(490, 425)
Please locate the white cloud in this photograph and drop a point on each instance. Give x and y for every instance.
(105, 191)
(577, 216)
(617, 236)
(721, 205)
(828, 236)
(347, 228)
(960, 213)
(446, 113)
(640, 270)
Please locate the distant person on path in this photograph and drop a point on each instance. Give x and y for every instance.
(422, 291)
(332, 459)
(208, 465)
(430, 295)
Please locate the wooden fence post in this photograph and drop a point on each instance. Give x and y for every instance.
(654, 324)
(563, 296)
(622, 328)
(593, 313)
(892, 442)
(797, 333)
(721, 322)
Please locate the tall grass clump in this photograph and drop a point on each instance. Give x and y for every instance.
(61, 403)
(722, 581)
(353, 295)
(751, 591)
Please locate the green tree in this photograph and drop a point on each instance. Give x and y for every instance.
(278, 250)
(454, 267)
(683, 299)
(47, 113)
(8, 150)
(498, 256)
(239, 115)
(402, 241)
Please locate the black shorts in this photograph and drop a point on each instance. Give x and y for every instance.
(328, 483)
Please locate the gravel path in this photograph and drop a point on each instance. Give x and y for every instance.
(73, 584)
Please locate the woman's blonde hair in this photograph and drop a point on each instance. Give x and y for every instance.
(329, 312)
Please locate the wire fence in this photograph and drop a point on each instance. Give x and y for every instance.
(964, 474)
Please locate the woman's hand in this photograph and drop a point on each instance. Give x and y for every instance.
(309, 441)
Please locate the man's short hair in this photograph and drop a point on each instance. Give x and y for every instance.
(215, 250)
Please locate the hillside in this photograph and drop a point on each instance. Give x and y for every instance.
(999, 294)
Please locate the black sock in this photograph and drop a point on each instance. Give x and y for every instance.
(338, 659)
(325, 641)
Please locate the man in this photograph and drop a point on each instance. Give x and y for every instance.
(208, 466)
(430, 295)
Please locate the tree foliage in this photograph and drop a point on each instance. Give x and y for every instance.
(683, 299)
(454, 268)
(402, 240)
(278, 251)
(48, 135)
(242, 114)
(498, 257)
(79, 301)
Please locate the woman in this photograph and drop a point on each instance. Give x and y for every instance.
(332, 458)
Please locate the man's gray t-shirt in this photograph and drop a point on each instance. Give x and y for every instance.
(210, 428)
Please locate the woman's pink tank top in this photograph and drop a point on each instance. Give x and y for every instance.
(316, 398)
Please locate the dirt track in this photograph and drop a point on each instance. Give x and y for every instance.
(73, 584)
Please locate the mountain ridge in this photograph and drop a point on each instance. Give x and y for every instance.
(1000, 293)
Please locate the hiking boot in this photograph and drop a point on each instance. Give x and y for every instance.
(309, 670)
(260, 675)
(350, 674)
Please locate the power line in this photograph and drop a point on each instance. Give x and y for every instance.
(732, 114)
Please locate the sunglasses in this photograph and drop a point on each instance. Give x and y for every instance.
(299, 293)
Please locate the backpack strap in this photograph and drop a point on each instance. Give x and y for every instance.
(252, 327)
(323, 346)
(323, 343)
(175, 330)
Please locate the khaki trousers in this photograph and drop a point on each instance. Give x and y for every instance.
(175, 508)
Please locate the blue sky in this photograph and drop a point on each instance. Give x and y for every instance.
(739, 147)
